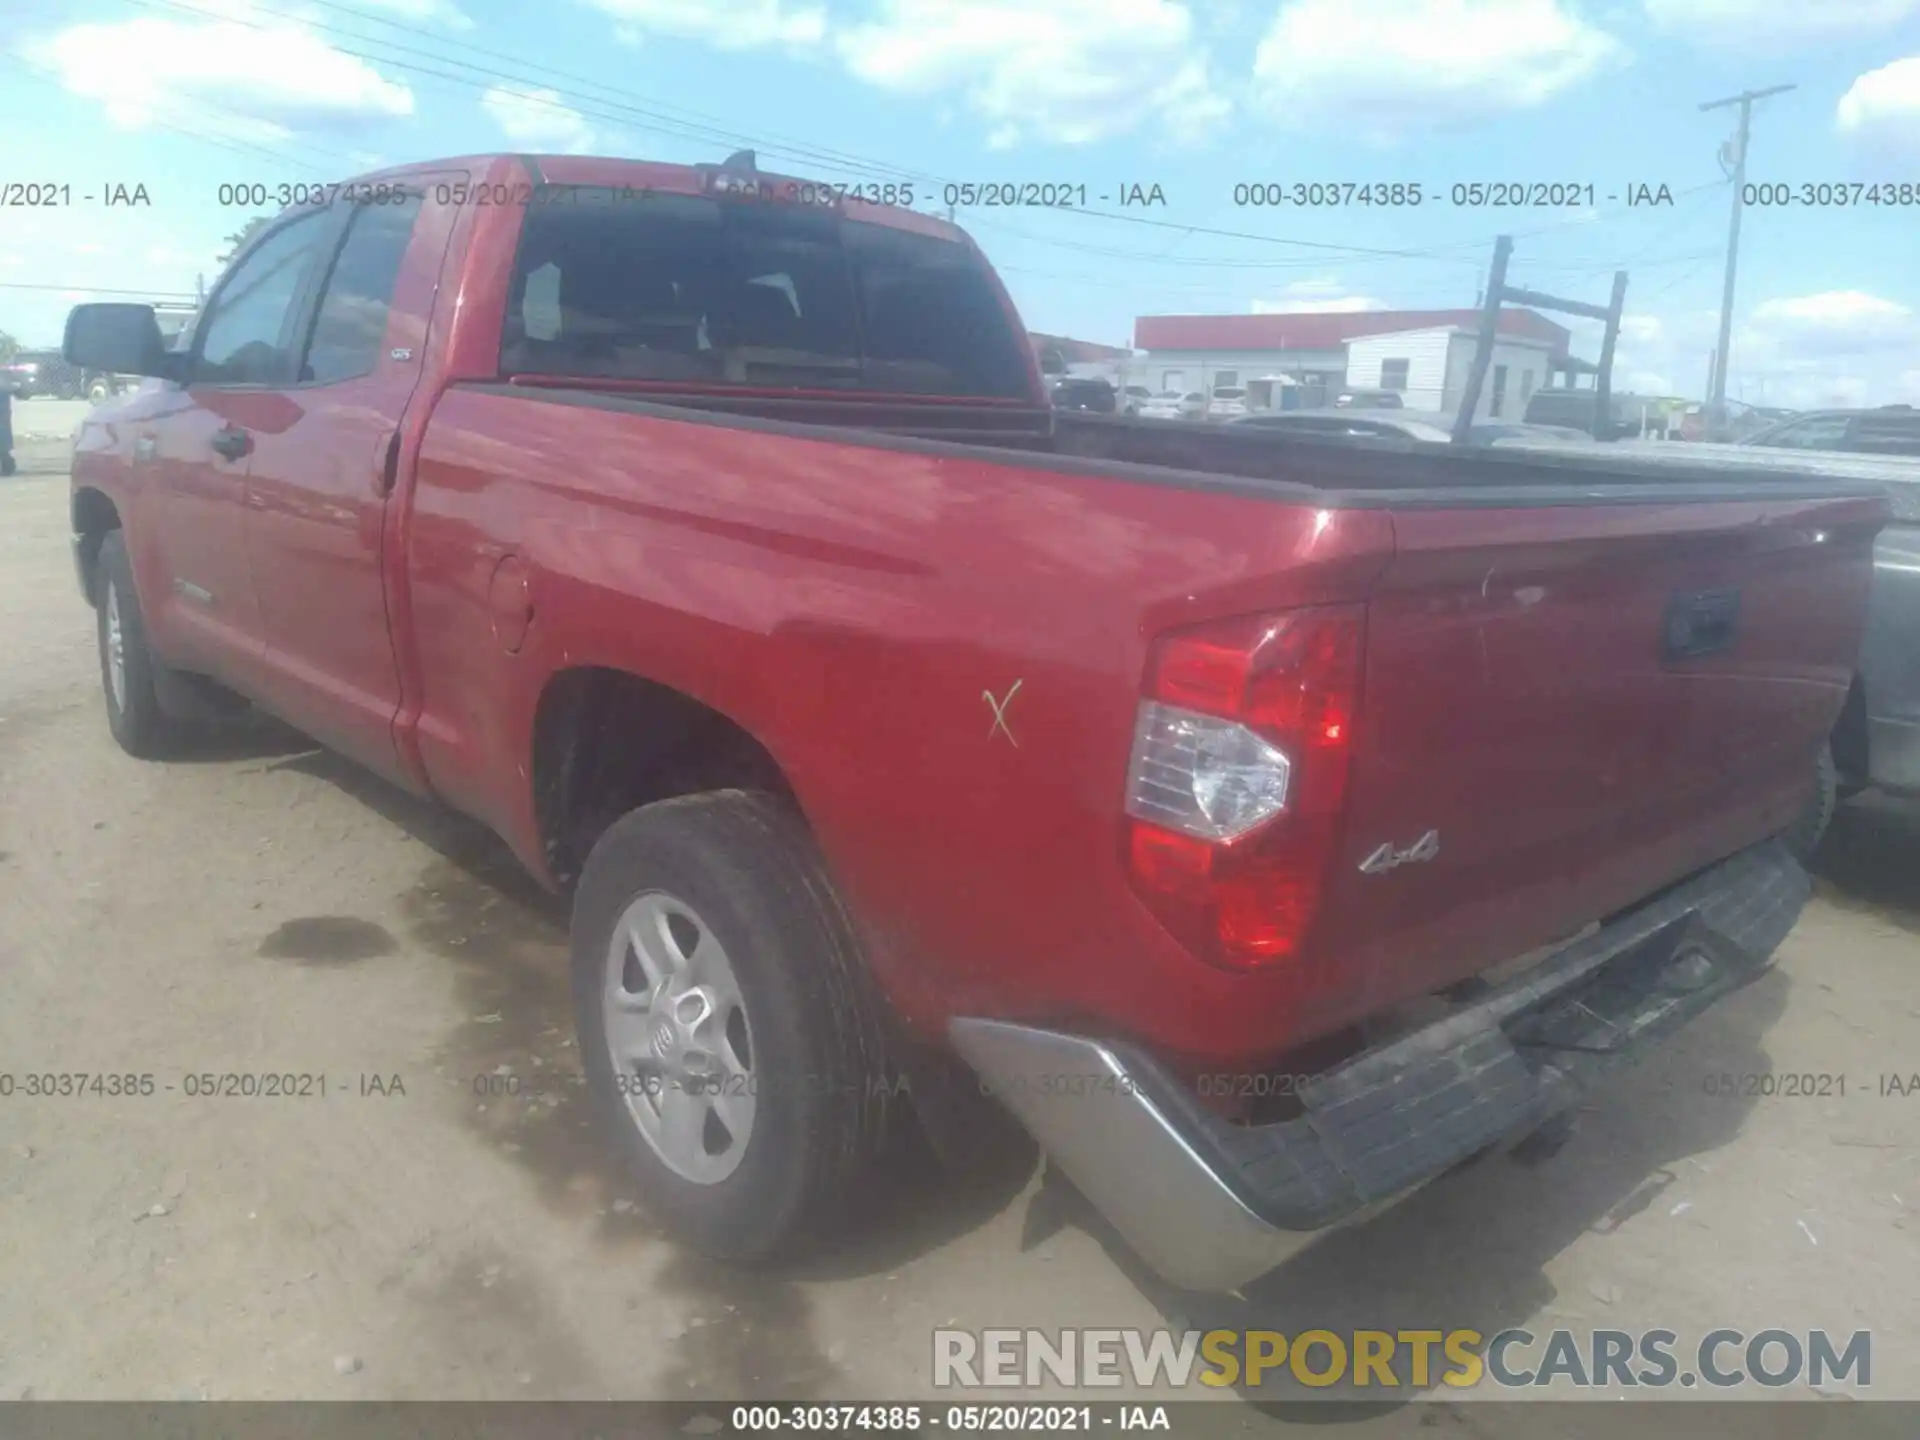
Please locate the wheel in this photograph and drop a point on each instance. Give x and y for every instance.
(729, 1032)
(127, 667)
(1803, 836)
(98, 391)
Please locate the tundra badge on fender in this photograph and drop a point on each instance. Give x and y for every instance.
(1387, 858)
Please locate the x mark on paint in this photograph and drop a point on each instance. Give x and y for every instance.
(1000, 712)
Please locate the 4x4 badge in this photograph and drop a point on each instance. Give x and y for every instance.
(1387, 858)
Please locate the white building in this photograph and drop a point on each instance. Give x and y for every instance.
(1429, 367)
(1424, 353)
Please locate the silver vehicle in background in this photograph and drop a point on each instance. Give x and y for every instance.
(1173, 405)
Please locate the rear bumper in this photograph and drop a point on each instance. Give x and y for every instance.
(1211, 1205)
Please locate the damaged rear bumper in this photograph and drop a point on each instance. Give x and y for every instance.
(1211, 1204)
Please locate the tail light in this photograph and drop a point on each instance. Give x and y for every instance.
(1239, 777)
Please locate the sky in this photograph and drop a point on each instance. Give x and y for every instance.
(1203, 99)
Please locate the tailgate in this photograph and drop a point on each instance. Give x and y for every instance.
(1581, 704)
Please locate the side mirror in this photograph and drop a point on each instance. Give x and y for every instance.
(118, 338)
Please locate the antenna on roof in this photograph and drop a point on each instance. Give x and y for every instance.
(741, 160)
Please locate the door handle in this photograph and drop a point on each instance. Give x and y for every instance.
(231, 442)
(1699, 622)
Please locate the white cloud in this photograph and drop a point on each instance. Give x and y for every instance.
(538, 119)
(1837, 347)
(1316, 297)
(1837, 322)
(1881, 109)
(1764, 24)
(1392, 69)
(1069, 72)
(247, 74)
(732, 25)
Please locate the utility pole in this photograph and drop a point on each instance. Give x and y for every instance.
(1717, 399)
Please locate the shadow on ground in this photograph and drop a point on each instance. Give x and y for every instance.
(514, 1056)
(1870, 859)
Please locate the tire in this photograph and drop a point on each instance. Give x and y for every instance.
(1802, 837)
(740, 868)
(134, 714)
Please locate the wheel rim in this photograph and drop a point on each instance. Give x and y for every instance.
(679, 1038)
(116, 649)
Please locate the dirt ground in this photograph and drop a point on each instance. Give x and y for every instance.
(263, 908)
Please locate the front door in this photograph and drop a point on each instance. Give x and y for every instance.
(190, 453)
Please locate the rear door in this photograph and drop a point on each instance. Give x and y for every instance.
(1582, 704)
(323, 470)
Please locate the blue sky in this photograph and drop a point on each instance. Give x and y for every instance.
(182, 96)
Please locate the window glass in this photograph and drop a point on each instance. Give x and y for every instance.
(681, 287)
(248, 337)
(1393, 374)
(1887, 433)
(1823, 432)
(350, 329)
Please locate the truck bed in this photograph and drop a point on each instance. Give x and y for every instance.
(1338, 470)
(1517, 694)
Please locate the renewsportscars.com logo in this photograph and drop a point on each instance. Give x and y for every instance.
(1395, 1359)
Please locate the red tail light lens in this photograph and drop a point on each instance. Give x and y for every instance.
(1239, 779)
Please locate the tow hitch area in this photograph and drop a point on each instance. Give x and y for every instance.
(1211, 1204)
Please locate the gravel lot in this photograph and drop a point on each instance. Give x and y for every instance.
(263, 907)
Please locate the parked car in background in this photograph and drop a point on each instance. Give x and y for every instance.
(1572, 409)
(1743, 420)
(1095, 395)
(1229, 402)
(1365, 399)
(1132, 397)
(1432, 426)
(45, 374)
(1173, 405)
(1887, 430)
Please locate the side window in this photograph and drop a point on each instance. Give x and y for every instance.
(351, 324)
(1887, 434)
(1826, 432)
(1393, 374)
(246, 336)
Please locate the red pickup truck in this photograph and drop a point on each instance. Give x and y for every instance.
(1269, 824)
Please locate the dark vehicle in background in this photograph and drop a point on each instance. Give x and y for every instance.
(34, 374)
(1097, 396)
(1371, 400)
(1432, 426)
(1578, 410)
(1888, 430)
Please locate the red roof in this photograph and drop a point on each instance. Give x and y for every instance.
(1323, 330)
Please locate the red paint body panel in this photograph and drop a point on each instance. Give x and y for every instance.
(865, 607)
